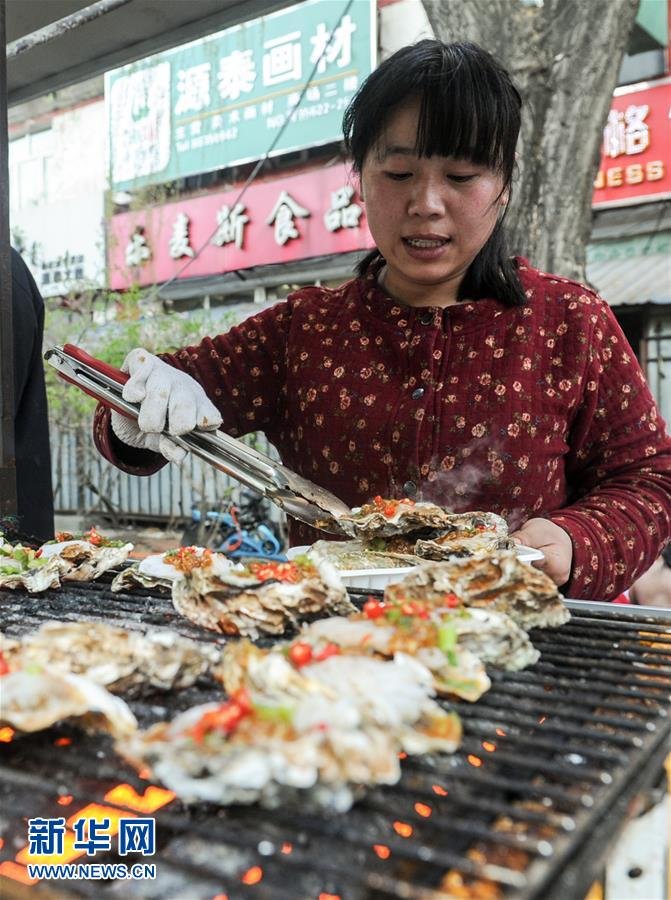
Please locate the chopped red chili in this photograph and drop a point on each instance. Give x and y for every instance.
(300, 654)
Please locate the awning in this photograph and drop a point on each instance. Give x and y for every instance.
(632, 271)
(136, 29)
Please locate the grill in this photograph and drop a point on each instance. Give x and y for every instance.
(552, 760)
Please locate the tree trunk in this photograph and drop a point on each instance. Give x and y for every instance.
(564, 56)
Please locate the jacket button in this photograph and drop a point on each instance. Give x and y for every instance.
(417, 393)
(426, 318)
(410, 489)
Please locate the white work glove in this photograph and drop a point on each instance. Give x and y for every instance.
(169, 400)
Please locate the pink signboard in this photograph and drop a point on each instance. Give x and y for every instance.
(277, 221)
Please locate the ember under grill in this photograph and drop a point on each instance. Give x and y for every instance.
(551, 759)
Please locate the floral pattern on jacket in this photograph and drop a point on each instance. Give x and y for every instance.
(538, 410)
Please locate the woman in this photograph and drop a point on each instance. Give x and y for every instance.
(445, 370)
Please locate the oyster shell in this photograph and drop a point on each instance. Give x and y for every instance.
(394, 694)
(327, 730)
(459, 672)
(495, 639)
(154, 572)
(132, 577)
(35, 700)
(499, 582)
(35, 579)
(403, 528)
(385, 518)
(354, 555)
(452, 545)
(267, 760)
(84, 561)
(239, 602)
(117, 659)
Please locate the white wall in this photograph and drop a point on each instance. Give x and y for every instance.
(57, 190)
(401, 24)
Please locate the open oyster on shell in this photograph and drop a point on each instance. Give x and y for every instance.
(35, 699)
(425, 530)
(331, 734)
(160, 570)
(383, 630)
(390, 518)
(260, 598)
(85, 557)
(121, 661)
(482, 537)
(348, 555)
(499, 582)
(396, 693)
(24, 567)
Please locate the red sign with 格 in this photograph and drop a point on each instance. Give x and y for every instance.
(277, 221)
(636, 149)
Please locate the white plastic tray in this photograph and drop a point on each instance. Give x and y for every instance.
(378, 579)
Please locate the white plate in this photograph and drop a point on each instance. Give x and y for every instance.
(528, 554)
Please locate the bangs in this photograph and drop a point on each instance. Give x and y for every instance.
(464, 121)
(468, 106)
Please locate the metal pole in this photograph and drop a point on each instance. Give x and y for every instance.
(7, 461)
(61, 26)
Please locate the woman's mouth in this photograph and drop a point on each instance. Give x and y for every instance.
(425, 247)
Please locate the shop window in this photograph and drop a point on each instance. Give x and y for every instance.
(646, 51)
(30, 159)
(657, 346)
(633, 322)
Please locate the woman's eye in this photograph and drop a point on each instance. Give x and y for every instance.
(461, 179)
(398, 176)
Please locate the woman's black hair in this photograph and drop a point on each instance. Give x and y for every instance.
(469, 108)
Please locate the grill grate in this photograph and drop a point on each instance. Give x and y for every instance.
(551, 758)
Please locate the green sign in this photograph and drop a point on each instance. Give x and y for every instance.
(222, 100)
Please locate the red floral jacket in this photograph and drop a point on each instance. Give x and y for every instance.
(539, 410)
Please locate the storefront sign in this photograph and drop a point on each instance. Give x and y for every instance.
(636, 151)
(281, 220)
(62, 243)
(222, 100)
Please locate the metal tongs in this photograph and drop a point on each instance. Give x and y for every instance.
(297, 496)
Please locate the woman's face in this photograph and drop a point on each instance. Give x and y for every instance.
(429, 216)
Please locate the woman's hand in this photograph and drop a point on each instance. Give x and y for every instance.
(556, 544)
(653, 588)
(169, 400)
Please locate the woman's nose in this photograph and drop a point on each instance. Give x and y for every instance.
(427, 199)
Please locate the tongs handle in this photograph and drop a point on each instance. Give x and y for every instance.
(102, 367)
(105, 369)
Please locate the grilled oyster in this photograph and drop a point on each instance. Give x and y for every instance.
(250, 749)
(428, 637)
(260, 598)
(118, 660)
(339, 729)
(495, 639)
(84, 560)
(35, 700)
(387, 518)
(355, 555)
(34, 579)
(453, 545)
(24, 567)
(393, 694)
(424, 529)
(499, 582)
(156, 572)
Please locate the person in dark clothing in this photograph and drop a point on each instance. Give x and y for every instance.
(31, 428)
